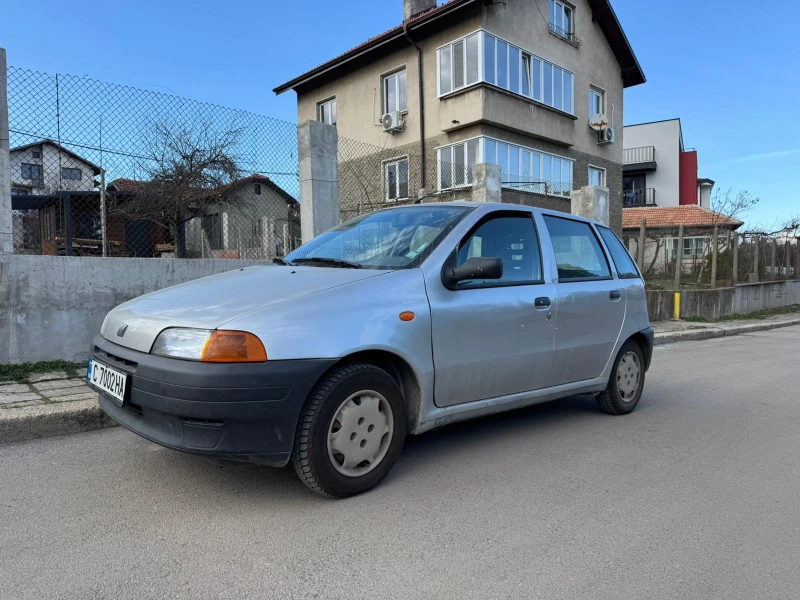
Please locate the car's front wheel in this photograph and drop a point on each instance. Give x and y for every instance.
(350, 432)
(626, 382)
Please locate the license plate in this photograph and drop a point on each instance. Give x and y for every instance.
(109, 380)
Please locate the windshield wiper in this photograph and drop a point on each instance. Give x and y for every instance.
(336, 262)
(280, 261)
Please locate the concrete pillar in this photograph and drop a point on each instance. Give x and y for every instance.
(486, 180)
(787, 259)
(679, 259)
(591, 202)
(6, 220)
(320, 205)
(735, 271)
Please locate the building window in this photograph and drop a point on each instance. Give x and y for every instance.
(513, 69)
(326, 111)
(257, 189)
(32, 172)
(694, 247)
(396, 176)
(455, 164)
(68, 173)
(597, 101)
(597, 176)
(36, 154)
(521, 168)
(19, 191)
(459, 64)
(561, 18)
(394, 92)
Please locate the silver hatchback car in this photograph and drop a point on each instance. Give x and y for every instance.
(394, 323)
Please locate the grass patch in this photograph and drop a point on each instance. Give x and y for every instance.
(695, 320)
(21, 372)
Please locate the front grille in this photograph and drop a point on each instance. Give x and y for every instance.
(113, 359)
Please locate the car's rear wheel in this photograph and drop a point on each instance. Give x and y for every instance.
(351, 431)
(626, 382)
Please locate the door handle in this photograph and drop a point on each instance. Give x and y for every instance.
(615, 295)
(542, 302)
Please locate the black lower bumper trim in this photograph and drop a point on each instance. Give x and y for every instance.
(244, 412)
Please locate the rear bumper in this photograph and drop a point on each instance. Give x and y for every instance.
(243, 412)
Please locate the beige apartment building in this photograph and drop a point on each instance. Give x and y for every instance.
(514, 84)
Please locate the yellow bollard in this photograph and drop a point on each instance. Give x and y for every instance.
(677, 313)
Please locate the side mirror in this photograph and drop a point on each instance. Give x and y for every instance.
(474, 268)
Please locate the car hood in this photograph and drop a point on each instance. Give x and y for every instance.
(210, 302)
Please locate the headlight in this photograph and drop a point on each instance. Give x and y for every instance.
(209, 346)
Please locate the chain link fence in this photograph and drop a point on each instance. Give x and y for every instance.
(741, 257)
(100, 169)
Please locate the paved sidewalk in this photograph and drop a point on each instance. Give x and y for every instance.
(677, 331)
(46, 388)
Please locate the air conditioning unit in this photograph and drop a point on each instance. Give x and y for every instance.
(606, 136)
(392, 122)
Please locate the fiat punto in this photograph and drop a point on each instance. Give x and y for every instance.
(393, 323)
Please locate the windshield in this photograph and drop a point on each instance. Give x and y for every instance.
(397, 238)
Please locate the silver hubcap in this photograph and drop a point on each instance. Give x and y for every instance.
(628, 373)
(360, 433)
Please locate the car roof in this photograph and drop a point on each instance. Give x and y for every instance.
(501, 206)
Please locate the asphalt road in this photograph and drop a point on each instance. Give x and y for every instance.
(694, 495)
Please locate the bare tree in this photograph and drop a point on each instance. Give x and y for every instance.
(184, 166)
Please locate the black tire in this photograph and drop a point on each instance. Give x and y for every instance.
(610, 400)
(310, 456)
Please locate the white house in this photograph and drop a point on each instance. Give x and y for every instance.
(46, 167)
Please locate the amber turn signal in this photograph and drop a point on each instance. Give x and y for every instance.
(233, 347)
(407, 316)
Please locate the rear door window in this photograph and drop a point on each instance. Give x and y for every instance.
(578, 253)
(619, 254)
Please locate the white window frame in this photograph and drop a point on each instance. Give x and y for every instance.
(330, 102)
(395, 162)
(596, 90)
(534, 187)
(467, 169)
(385, 77)
(522, 52)
(555, 5)
(602, 175)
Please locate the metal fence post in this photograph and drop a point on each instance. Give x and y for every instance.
(773, 260)
(6, 218)
(756, 251)
(67, 224)
(735, 269)
(642, 237)
(103, 225)
(679, 259)
(714, 253)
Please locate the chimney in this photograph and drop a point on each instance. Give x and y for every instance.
(411, 8)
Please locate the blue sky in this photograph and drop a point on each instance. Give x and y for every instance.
(729, 69)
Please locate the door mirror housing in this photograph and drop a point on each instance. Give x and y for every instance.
(473, 268)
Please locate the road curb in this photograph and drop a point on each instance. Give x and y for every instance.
(707, 334)
(32, 422)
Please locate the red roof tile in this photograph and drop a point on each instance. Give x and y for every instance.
(673, 216)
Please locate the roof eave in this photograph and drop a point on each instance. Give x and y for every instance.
(390, 36)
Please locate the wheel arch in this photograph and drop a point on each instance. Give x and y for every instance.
(399, 369)
(645, 340)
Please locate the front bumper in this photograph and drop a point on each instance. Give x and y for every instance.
(242, 412)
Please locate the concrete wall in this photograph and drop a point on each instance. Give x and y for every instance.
(51, 307)
(665, 136)
(724, 302)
